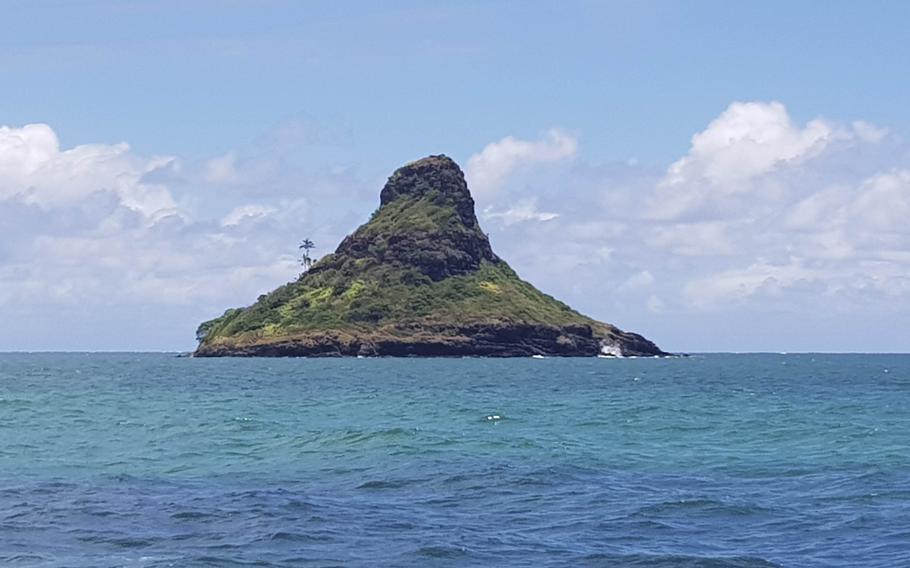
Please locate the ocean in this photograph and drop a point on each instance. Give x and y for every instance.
(150, 460)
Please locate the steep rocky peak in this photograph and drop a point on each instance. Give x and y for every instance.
(438, 175)
(414, 226)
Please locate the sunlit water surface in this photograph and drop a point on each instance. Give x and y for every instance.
(149, 460)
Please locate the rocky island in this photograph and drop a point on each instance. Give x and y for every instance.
(418, 279)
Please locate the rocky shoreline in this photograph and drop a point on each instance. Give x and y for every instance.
(478, 340)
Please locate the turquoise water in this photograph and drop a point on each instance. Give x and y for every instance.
(150, 460)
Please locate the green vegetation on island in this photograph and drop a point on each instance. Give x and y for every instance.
(419, 278)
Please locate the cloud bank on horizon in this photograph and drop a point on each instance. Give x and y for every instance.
(760, 215)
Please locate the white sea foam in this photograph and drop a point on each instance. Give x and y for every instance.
(610, 350)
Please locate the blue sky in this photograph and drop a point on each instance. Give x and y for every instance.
(715, 175)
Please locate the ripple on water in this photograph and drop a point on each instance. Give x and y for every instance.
(715, 461)
(677, 561)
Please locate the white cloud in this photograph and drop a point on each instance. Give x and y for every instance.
(248, 212)
(871, 214)
(883, 203)
(733, 286)
(817, 210)
(761, 214)
(221, 169)
(803, 287)
(743, 157)
(24, 150)
(488, 170)
(869, 132)
(35, 170)
(521, 211)
(655, 304)
(709, 238)
(802, 233)
(100, 233)
(746, 142)
(638, 281)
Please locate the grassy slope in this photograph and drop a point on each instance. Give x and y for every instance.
(357, 295)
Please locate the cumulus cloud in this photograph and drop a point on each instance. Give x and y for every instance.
(488, 170)
(747, 140)
(35, 170)
(638, 281)
(221, 169)
(248, 212)
(760, 213)
(521, 211)
(883, 202)
(800, 285)
(761, 277)
(739, 154)
(791, 211)
(869, 132)
(102, 233)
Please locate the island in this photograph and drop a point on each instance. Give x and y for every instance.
(419, 279)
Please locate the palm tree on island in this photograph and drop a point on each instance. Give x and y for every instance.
(305, 260)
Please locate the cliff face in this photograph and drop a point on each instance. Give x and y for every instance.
(425, 221)
(418, 279)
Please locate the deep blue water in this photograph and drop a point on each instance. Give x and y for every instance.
(149, 460)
